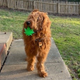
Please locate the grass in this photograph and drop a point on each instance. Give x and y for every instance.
(65, 31)
(12, 21)
(66, 34)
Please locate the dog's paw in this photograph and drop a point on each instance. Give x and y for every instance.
(30, 68)
(43, 74)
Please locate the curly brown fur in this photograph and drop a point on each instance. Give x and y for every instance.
(37, 45)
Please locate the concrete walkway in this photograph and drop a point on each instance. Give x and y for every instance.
(15, 67)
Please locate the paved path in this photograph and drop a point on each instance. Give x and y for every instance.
(15, 67)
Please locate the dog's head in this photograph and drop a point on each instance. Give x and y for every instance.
(37, 21)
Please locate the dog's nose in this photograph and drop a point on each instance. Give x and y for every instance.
(28, 22)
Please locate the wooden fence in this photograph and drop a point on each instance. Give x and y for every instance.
(51, 7)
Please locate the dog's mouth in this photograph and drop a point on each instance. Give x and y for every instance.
(28, 31)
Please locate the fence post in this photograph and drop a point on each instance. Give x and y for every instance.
(3, 3)
(79, 8)
(58, 8)
(34, 4)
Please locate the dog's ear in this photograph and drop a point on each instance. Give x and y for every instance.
(35, 10)
(46, 21)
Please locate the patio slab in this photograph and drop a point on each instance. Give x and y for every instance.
(5, 42)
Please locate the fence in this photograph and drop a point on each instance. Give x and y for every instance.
(51, 7)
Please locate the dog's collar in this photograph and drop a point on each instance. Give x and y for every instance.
(39, 41)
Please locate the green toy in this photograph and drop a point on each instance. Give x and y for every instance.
(28, 31)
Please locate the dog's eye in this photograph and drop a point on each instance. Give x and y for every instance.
(37, 19)
(43, 19)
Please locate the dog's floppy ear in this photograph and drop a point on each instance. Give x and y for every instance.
(35, 10)
(46, 21)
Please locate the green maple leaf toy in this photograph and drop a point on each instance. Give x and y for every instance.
(28, 31)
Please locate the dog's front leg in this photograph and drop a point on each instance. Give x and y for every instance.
(31, 61)
(40, 65)
(30, 58)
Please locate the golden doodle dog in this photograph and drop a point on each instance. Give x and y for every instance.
(36, 35)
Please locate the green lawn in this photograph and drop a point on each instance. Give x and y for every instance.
(66, 34)
(12, 21)
(65, 31)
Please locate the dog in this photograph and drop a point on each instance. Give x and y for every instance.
(37, 45)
